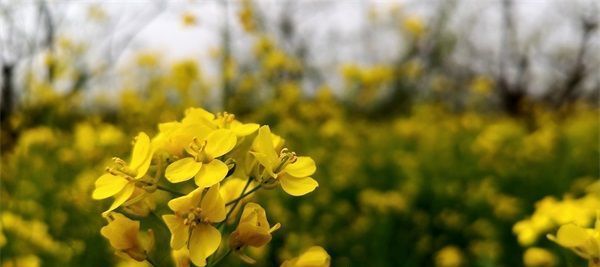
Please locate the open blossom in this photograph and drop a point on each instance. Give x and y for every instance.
(121, 181)
(293, 173)
(203, 163)
(124, 235)
(191, 225)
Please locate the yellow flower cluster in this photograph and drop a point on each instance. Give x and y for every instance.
(585, 242)
(228, 161)
(551, 213)
(35, 232)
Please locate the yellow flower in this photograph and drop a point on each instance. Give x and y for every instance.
(22, 261)
(203, 164)
(253, 229)
(191, 225)
(175, 136)
(538, 257)
(314, 257)
(449, 256)
(124, 235)
(181, 257)
(227, 121)
(481, 85)
(120, 181)
(223, 120)
(583, 241)
(414, 25)
(188, 19)
(291, 171)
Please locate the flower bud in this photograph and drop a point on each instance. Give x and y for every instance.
(253, 229)
(123, 234)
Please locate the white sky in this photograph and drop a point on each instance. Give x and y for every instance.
(336, 29)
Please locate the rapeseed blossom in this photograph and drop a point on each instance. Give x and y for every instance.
(202, 164)
(191, 225)
(121, 181)
(252, 230)
(229, 162)
(124, 235)
(584, 242)
(290, 171)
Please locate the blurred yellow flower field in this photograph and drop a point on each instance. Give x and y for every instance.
(263, 157)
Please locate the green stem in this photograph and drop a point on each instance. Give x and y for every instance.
(223, 256)
(160, 187)
(235, 201)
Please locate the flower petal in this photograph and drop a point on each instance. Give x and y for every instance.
(571, 235)
(211, 173)
(304, 166)
(213, 205)
(141, 155)
(297, 186)
(179, 231)
(182, 170)
(122, 196)
(187, 202)
(263, 144)
(108, 185)
(219, 142)
(121, 232)
(266, 162)
(204, 241)
(241, 129)
(314, 256)
(197, 115)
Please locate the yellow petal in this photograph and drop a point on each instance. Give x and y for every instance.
(197, 115)
(121, 232)
(122, 196)
(241, 129)
(266, 162)
(213, 205)
(232, 188)
(204, 241)
(179, 231)
(248, 234)
(182, 170)
(253, 227)
(304, 166)
(571, 235)
(168, 126)
(185, 203)
(181, 257)
(263, 144)
(211, 173)
(141, 155)
(108, 185)
(314, 256)
(219, 142)
(297, 186)
(255, 214)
